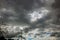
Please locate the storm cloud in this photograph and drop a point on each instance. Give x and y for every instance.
(33, 13)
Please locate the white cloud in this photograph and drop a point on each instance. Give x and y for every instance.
(35, 15)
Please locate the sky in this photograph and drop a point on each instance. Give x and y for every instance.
(28, 14)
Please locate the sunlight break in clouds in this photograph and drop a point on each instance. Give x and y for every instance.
(35, 15)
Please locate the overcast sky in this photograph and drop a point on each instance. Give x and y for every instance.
(33, 13)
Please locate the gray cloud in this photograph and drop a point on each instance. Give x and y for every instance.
(15, 12)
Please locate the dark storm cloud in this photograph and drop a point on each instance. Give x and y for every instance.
(20, 9)
(56, 4)
(56, 8)
(15, 10)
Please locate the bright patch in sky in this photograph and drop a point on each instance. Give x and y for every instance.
(14, 28)
(34, 16)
